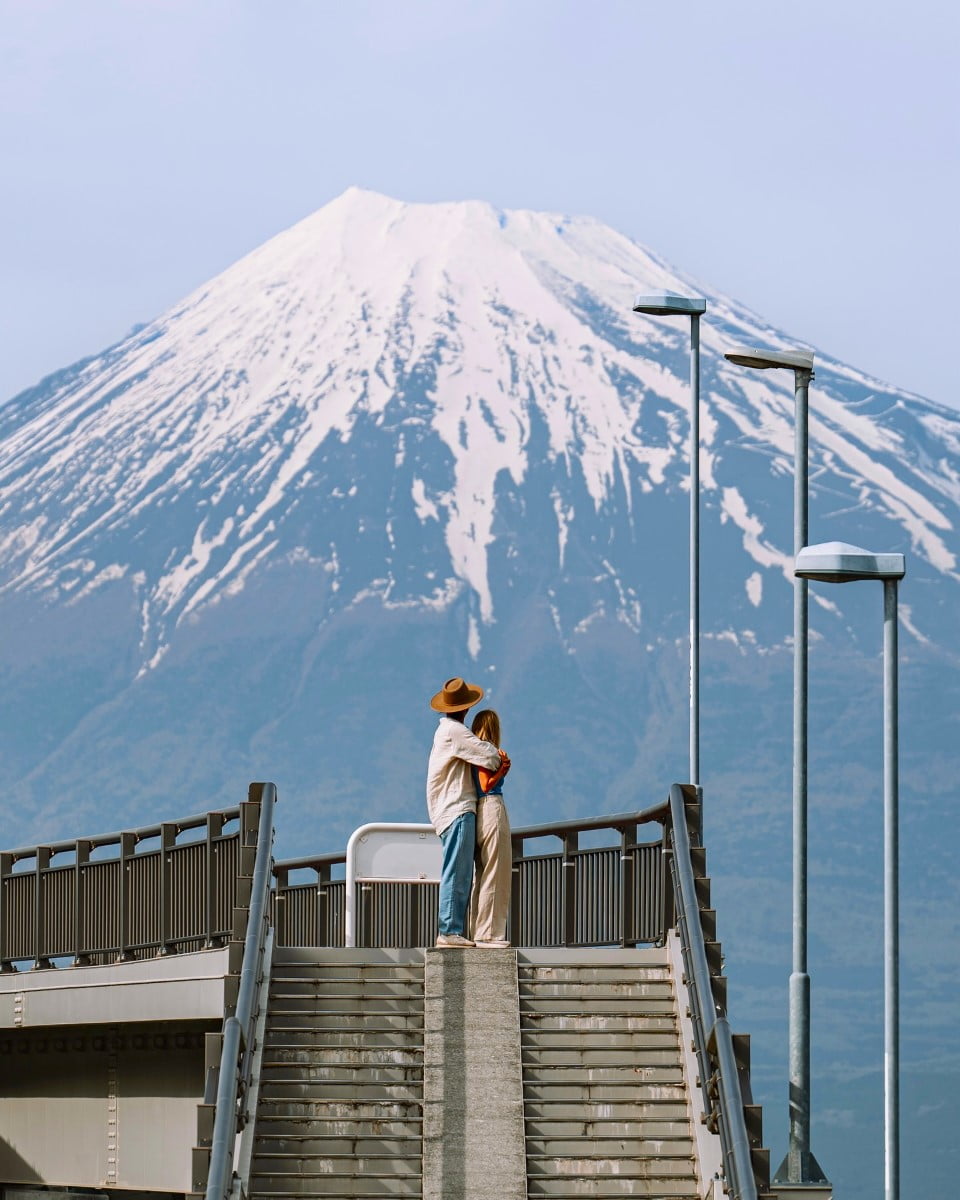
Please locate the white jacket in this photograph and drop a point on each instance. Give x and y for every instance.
(450, 789)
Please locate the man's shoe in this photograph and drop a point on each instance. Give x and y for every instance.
(453, 939)
(493, 943)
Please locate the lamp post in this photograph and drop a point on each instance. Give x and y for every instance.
(666, 304)
(836, 562)
(799, 1166)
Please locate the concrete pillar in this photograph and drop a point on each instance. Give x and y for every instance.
(473, 1143)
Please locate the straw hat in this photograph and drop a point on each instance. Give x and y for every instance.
(456, 695)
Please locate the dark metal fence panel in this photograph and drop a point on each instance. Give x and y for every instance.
(397, 914)
(225, 867)
(598, 897)
(57, 926)
(143, 915)
(125, 903)
(100, 914)
(19, 909)
(188, 868)
(606, 896)
(539, 917)
(309, 914)
(649, 913)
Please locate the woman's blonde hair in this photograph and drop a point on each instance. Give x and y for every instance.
(486, 725)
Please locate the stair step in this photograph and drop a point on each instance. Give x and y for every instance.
(345, 1108)
(549, 1148)
(556, 1125)
(345, 987)
(292, 1038)
(656, 1031)
(292, 1187)
(378, 1002)
(614, 990)
(614, 1185)
(573, 1022)
(593, 975)
(335, 1073)
(589, 1076)
(344, 970)
(312, 1165)
(603, 1093)
(331, 1145)
(592, 1006)
(613, 1053)
(590, 1166)
(344, 1091)
(356, 1057)
(346, 1019)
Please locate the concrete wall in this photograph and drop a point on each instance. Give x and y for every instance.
(101, 1106)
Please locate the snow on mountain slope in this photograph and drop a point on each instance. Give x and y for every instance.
(483, 343)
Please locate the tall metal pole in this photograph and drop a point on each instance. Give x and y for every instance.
(695, 548)
(799, 1146)
(891, 898)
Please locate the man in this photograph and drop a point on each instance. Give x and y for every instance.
(452, 801)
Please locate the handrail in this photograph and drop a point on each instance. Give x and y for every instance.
(233, 1081)
(727, 1101)
(619, 821)
(141, 834)
(656, 812)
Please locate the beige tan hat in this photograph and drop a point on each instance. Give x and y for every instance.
(456, 696)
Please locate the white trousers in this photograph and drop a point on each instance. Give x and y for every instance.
(490, 897)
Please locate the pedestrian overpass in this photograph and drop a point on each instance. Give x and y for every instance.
(182, 1016)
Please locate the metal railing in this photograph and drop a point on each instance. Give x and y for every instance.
(111, 898)
(234, 1072)
(713, 1041)
(595, 896)
(311, 913)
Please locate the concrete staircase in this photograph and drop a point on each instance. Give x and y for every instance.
(605, 1101)
(340, 1108)
(381, 1079)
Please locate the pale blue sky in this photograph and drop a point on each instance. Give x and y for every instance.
(800, 157)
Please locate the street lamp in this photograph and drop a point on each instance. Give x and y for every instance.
(799, 1166)
(666, 304)
(836, 562)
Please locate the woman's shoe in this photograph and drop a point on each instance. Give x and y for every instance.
(493, 943)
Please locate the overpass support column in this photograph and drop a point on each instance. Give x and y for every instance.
(473, 1137)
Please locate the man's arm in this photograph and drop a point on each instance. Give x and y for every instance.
(471, 749)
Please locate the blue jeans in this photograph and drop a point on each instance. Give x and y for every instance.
(459, 839)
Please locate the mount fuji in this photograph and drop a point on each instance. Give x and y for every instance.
(400, 442)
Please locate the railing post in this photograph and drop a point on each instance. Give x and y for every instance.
(568, 889)
(128, 846)
(6, 868)
(413, 911)
(80, 903)
(668, 906)
(516, 848)
(628, 885)
(324, 873)
(214, 829)
(168, 839)
(281, 877)
(42, 861)
(365, 921)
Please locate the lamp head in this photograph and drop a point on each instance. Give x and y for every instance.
(668, 304)
(765, 360)
(837, 562)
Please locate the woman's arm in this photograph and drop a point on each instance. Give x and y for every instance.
(490, 779)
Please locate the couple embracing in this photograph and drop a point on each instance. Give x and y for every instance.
(465, 803)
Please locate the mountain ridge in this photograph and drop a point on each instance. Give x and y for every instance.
(288, 350)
